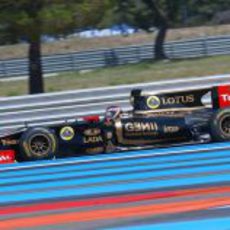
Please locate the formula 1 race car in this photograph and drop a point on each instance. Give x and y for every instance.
(157, 119)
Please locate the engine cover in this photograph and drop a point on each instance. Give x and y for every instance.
(151, 130)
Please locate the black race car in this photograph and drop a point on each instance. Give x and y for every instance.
(157, 119)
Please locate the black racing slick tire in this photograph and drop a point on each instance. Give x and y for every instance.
(37, 144)
(220, 125)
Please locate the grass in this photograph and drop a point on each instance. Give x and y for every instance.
(127, 74)
(79, 44)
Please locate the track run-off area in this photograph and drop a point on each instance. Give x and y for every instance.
(186, 187)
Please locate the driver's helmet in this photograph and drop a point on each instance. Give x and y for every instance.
(112, 113)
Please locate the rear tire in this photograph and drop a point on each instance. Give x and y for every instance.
(38, 144)
(220, 125)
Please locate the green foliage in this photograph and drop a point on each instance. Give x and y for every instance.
(146, 14)
(203, 11)
(208, 7)
(23, 17)
(149, 13)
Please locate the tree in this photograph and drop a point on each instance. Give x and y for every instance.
(209, 11)
(32, 18)
(149, 14)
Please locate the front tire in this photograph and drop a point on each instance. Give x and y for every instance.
(38, 144)
(220, 125)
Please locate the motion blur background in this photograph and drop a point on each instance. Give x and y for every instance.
(47, 45)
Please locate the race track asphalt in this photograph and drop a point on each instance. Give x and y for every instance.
(170, 188)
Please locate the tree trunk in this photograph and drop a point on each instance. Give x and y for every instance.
(159, 43)
(35, 66)
(162, 23)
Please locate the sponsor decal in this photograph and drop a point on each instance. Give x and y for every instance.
(7, 156)
(153, 102)
(7, 142)
(175, 100)
(93, 139)
(141, 127)
(171, 129)
(92, 136)
(92, 132)
(224, 96)
(67, 133)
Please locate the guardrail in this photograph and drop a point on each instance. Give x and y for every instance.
(55, 108)
(207, 46)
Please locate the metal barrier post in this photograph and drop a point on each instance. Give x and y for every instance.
(72, 60)
(3, 70)
(205, 48)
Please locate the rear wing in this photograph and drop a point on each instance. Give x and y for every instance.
(181, 100)
(221, 96)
